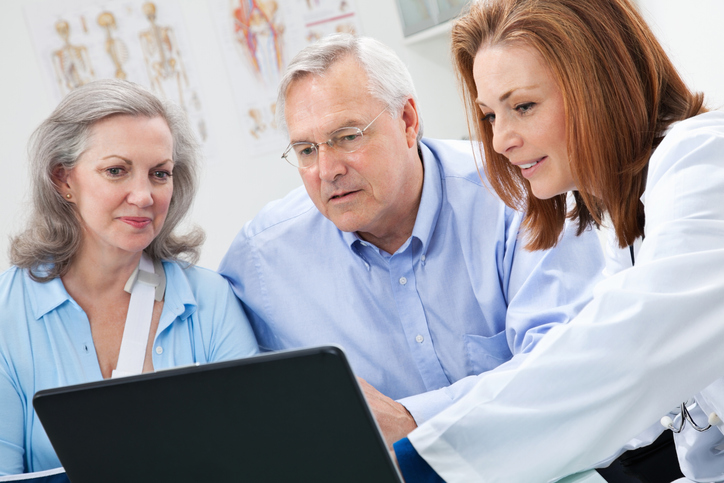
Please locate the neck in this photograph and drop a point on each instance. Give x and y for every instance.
(405, 215)
(95, 273)
(392, 242)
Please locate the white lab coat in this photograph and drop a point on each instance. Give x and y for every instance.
(651, 337)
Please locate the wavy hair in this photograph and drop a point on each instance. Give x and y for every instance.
(54, 232)
(389, 81)
(620, 92)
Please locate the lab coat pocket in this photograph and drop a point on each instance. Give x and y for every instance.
(485, 353)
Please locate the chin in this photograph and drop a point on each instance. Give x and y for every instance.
(548, 192)
(544, 194)
(348, 221)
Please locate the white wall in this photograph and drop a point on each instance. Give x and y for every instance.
(235, 186)
(692, 34)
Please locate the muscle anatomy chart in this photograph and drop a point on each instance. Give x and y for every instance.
(257, 38)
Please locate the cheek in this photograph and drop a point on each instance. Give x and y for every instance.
(313, 185)
(162, 199)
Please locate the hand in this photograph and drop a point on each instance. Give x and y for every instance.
(394, 419)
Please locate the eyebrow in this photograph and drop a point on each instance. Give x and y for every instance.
(348, 123)
(509, 93)
(130, 163)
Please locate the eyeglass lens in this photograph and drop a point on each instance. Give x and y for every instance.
(346, 140)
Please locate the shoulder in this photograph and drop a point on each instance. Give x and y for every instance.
(693, 134)
(706, 124)
(198, 278)
(294, 217)
(457, 159)
(12, 285)
(15, 280)
(19, 295)
(694, 141)
(294, 208)
(463, 179)
(11, 276)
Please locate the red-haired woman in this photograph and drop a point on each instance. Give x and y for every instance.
(578, 96)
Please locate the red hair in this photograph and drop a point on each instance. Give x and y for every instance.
(620, 92)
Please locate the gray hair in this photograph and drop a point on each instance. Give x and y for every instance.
(53, 234)
(389, 81)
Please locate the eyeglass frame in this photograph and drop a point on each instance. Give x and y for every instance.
(329, 142)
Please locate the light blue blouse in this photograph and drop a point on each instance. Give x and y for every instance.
(45, 342)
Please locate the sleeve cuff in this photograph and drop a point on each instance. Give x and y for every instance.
(426, 405)
(414, 469)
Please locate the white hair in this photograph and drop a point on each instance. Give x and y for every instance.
(389, 81)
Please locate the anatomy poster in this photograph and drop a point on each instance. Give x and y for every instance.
(258, 38)
(139, 40)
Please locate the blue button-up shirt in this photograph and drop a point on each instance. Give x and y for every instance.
(46, 341)
(459, 298)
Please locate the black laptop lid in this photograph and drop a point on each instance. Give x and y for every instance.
(279, 417)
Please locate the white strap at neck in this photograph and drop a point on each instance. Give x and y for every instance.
(147, 283)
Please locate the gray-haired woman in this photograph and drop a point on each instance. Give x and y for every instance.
(114, 172)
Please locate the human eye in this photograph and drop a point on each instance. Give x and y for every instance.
(304, 150)
(488, 118)
(347, 137)
(161, 175)
(525, 107)
(115, 171)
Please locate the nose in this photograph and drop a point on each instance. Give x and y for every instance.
(505, 137)
(329, 163)
(141, 192)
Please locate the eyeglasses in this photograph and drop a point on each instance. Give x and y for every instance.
(345, 139)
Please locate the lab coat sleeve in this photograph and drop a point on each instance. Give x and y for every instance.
(544, 289)
(591, 385)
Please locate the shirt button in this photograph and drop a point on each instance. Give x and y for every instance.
(403, 280)
(422, 258)
(159, 350)
(419, 338)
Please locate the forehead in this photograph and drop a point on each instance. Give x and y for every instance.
(123, 124)
(135, 137)
(501, 68)
(324, 103)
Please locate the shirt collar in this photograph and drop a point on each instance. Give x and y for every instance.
(430, 202)
(47, 296)
(179, 299)
(431, 199)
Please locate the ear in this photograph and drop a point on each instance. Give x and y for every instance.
(60, 180)
(412, 122)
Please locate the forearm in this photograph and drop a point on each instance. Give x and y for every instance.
(591, 385)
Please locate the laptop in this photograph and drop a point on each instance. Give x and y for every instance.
(278, 417)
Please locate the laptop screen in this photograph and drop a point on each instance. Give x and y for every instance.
(278, 417)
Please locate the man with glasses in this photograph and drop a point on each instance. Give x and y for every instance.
(394, 248)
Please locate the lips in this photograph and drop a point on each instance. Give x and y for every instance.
(529, 169)
(531, 164)
(136, 221)
(342, 194)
